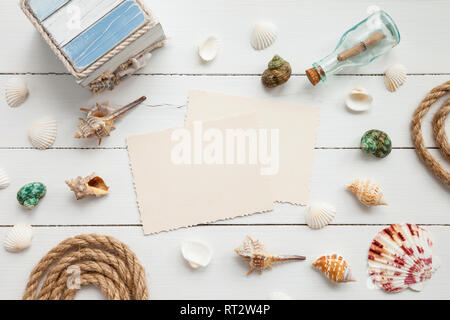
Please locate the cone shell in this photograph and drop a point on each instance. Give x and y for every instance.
(264, 35)
(16, 91)
(18, 238)
(401, 256)
(4, 179)
(43, 133)
(319, 215)
(334, 267)
(394, 77)
(197, 254)
(367, 192)
(209, 48)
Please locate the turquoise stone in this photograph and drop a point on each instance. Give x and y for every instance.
(30, 194)
(377, 143)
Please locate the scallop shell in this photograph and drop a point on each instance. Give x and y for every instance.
(43, 133)
(335, 268)
(359, 100)
(394, 77)
(4, 179)
(368, 192)
(209, 48)
(264, 35)
(19, 238)
(16, 91)
(196, 253)
(401, 256)
(319, 215)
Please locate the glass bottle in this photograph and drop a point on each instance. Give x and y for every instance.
(369, 39)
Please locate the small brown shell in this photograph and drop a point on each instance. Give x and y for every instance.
(278, 73)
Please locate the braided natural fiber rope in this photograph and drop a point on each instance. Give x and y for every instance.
(102, 261)
(438, 131)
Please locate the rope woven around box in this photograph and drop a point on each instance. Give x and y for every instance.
(438, 131)
(103, 262)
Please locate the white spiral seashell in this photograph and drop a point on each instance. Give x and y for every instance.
(4, 179)
(359, 100)
(18, 238)
(264, 35)
(394, 77)
(196, 253)
(16, 91)
(42, 133)
(319, 215)
(209, 48)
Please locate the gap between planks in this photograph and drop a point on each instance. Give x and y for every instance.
(222, 74)
(220, 225)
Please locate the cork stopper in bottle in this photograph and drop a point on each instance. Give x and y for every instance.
(313, 76)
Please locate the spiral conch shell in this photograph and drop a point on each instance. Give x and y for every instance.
(259, 259)
(368, 192)
(91, 185)
(335, 268)
(99, 120)
(278, 72)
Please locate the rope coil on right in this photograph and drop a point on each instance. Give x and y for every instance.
(439, 134)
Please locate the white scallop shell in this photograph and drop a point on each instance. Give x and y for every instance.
(209, 48)
(42, 133)
(394, 77)
(278, 295)
(196, 253)
(16, 91)
(264, 35)
(4, 179)
(18, 238)
(319, 215)
(359, 99)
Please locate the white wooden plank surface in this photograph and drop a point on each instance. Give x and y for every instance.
(308, 31)
(169, 276)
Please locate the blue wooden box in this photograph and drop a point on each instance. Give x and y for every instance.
(100, 42)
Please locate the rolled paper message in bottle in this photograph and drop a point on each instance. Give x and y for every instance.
(360, 45)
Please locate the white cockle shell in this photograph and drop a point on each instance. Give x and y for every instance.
(4, 179)
(318, 215)
(196, 253)
(43, 132)
(359, 99)
(18, 238)
(394, 77)
(209, 48)
(264, 35)
(16, 91)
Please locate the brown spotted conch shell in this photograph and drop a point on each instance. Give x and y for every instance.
(367, 192)
(91, 185)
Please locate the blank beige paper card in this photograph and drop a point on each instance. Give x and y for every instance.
(176, 188)
(297, 124)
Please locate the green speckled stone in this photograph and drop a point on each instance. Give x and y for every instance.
(376, 142)
(30, 194)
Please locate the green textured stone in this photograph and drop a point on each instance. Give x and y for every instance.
(30, 194)
(376, 142)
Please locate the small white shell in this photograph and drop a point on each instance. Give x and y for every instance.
(319, 215)
(196, 253)
(278, 295)
(264, 35)
(209, 48)
(4, 179)
(16, 91)
(394, 77)
(359, 99)
(42, 133)
(18, 238)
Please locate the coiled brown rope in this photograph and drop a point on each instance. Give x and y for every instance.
(438, 131)
(102, 261)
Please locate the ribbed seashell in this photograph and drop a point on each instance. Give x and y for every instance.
(401, 256)
(43, 133)
(368, 192)
(99, 121)
(335, 268)
(16, 91)
(259, 259)
(197, 254)
(18, 238)
(264, 35)
(319, 215)
(209, 48)
(4, 179)
(394, 77)
(359, 100)
(92, 185)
